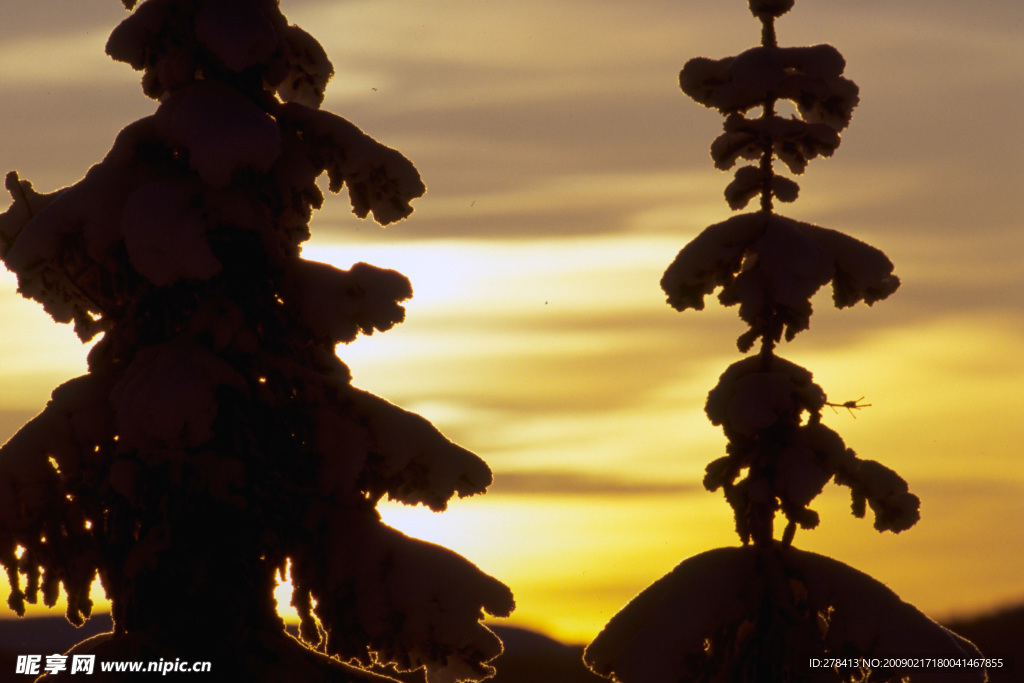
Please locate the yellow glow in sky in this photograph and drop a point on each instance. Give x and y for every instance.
(565, 170)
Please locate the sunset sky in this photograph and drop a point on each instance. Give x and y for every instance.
(565, 170)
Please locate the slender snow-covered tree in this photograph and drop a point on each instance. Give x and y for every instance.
(217, 438)
(764, 611)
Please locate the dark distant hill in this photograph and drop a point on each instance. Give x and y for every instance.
(998, 634)
(529, 657)
(533, 657)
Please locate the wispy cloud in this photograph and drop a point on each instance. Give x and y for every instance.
(568, 483)
(58, 61)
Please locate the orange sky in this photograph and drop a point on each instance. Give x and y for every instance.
(565, 169)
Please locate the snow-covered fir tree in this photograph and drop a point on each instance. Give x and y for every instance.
(763, 611)
(217, 438)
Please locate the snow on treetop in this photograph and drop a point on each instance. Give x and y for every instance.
(217, 435)
(238, 32)
(793, 141)
(808, 76)
(337, 304)
(217, 65)
(371, 588)
(770, 410)
(871, 482)
(411, 461)
(165, 233)
(761, 612)
(220, 129)
(679, 628)
(766, 261)
(234, 39)
(752, 395)
(751, 181)
(166, 397)
(379, 179)
(770, 8)
(207, 162)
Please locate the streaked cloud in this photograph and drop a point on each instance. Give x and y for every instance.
(57, 61)
(569, 483)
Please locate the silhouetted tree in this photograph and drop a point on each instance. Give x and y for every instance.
(217, 438)
(761, 612)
